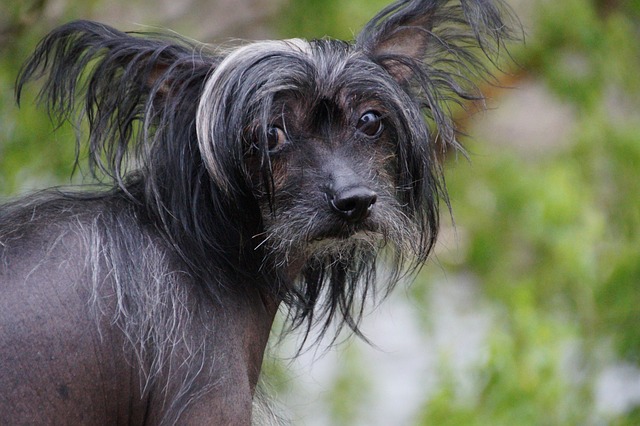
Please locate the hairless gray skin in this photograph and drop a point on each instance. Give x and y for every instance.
(61, 365)
(238, 183)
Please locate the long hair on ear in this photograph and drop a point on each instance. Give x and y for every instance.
(139, 94)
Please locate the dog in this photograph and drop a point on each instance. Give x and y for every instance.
(232, 183)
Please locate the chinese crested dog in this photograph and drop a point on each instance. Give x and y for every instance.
(235, 182)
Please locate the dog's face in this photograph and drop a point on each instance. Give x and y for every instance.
(334, 148)
(336, 151)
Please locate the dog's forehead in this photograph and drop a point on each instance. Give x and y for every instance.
(317, 64)
(316, 70)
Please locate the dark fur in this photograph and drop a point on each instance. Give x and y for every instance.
(203, 224)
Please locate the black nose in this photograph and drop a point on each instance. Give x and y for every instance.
(353, 204)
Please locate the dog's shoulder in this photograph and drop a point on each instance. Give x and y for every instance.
(57, 211)
(64, 231)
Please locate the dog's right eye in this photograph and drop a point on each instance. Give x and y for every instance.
(276, 138)
(370, 124)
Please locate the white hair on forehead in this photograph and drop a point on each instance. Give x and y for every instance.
(214, 85)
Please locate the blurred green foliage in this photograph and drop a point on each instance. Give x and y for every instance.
(552, 241)
(316, 19)
(556, 240)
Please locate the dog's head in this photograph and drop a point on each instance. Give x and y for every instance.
(340, 142)
(315, 155)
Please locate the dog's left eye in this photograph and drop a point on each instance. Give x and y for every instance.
(370, 124)
(276, 138)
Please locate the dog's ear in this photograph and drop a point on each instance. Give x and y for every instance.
(142, 62)
(437, 50)
(438, 34)
(125, 85)
(400, 31)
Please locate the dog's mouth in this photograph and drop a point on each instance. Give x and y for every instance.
(344, 231)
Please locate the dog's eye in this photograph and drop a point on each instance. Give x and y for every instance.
(276, 138)
(370, 124)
